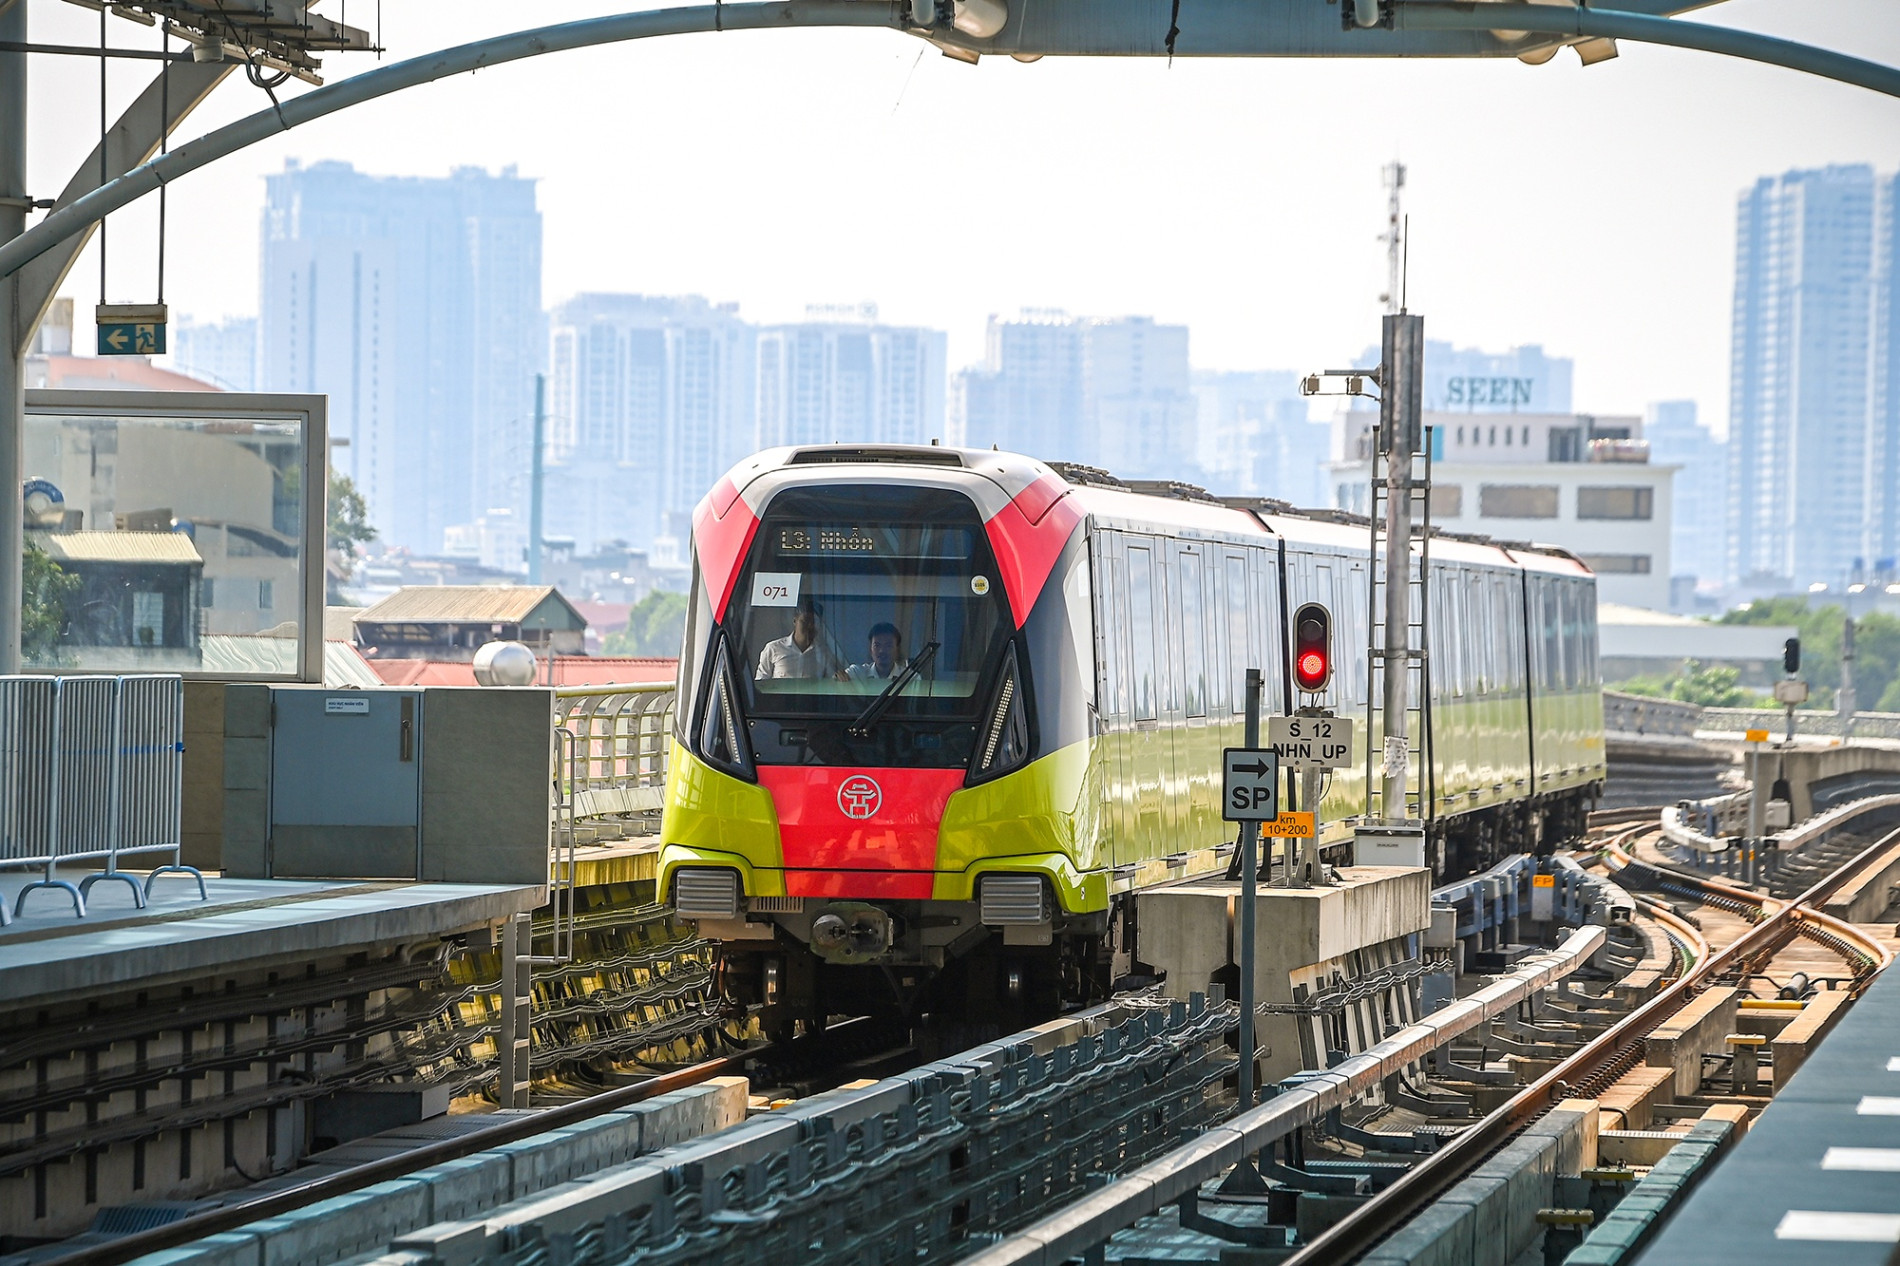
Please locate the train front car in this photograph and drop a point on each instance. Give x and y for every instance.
(879, 789)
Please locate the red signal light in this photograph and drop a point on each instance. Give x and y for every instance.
(1312, 648)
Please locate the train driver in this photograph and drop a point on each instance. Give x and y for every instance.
(796, 655)
(885, 661)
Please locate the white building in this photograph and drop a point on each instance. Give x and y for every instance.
(1576, 481)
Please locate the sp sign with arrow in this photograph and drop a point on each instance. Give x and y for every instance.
(1250, 779)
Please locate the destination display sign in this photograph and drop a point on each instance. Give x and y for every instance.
(1311, 742)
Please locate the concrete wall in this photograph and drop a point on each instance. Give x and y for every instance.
(1302, 936)
(1865, 900)
(1699, 1029)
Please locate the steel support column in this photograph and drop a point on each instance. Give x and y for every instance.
(16, 327)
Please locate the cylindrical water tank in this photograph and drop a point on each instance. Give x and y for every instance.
(505, 664)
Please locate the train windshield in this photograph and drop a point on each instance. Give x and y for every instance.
(868, 622)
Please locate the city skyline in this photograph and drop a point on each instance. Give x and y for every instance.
(1259, 234)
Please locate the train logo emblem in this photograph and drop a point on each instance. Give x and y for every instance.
(859, 797)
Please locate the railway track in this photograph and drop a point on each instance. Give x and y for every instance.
(806, 1065)
(1596, 1065)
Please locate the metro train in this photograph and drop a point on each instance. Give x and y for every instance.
(942, 712)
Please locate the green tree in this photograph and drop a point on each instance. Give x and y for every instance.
(46, 589)
(656, 626)
(1716, 686)
(349, 521)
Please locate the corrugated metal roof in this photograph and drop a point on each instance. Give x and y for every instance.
(117, 547)
(468, 604)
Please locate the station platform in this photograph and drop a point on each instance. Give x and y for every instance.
(1817, 1178)
(48, 953)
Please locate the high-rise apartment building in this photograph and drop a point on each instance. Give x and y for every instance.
(1698, 531)
(1104, 391)
(414, 304)
(1026, 396)
(1883, 466)
(1255, 437)
(650, 399)
(839, 375)
(1802, 455)
(1136, 405)
(220, 353)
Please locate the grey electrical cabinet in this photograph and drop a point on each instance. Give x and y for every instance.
(346, 784)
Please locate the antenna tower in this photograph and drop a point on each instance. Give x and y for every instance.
(1394, 238)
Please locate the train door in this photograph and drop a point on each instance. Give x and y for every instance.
(1509, 636)
(1113, 660)
(1195, 757)
(1147, 627)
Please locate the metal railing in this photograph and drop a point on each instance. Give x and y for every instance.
(610, 756)
(1640, 714)
(616, 767)
(91, 770)
(1806, 721)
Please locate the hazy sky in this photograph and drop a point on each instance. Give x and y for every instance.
(1587, 209)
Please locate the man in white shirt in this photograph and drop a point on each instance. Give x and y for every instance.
(885, 662)
(797, 655)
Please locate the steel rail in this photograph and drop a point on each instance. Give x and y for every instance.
(1371, 1222)
(229, 1217)
(1302, 1101)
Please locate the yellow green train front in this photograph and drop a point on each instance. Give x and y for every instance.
(942, 711)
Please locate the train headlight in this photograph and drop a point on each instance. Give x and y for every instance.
(1002, 743)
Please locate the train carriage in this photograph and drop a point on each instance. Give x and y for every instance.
(943, 711)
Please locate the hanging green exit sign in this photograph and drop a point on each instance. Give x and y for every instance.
(131, 329)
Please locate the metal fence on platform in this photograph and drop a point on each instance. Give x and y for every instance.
(91, 772)
(621, 736)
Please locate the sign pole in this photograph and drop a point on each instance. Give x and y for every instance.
(1308, 847)
(1249, 794)
(1249, 897)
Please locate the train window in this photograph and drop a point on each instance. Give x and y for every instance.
(1552, 615)
(1108, 624)
(1479, 633)
(1504, 612)
(848, 593)
(1141, 622)
(1167, 637)
(1238, 629)
(1193, 634)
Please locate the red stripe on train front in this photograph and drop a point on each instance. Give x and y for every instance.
(860, 885)
(723, 525)
(858, 832)
(1027, 536)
